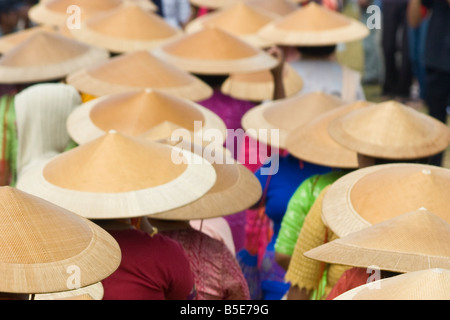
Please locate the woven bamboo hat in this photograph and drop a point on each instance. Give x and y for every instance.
(259, 86)
(314, 25)
(235, 190)
(285, 115)
(214, 51)
(116, 176)
(240, 19)
(125, 29)
(92, 292)
(412, 241)
(377, 193)
(138, 70)
(47, 56)
(135, 112)
(391, 130)
(42, 241)
(280, 7)
(312, 142)
(55, 12)
(213, 4)
(10, 41)
(429, 284)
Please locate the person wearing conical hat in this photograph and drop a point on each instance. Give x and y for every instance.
(304, 273)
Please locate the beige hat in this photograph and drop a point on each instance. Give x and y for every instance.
(280, 7)
(314, 25)
(213, 4)
(377, 193)
(47, 56)
(46, 248)
(93, 292)
(214, 51)
(391, 130)
(116, 176)
(411, 241)
(240, 19)
(125, 29)
(285, 115)
(259, 86)
(429, 284)
(138, 70)
(57, 12)
(312, 142)
(135, 112)
(9, 41)
(235, 190)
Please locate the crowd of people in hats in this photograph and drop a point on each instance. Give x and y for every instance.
(223, 150)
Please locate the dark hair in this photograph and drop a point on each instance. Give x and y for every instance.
(317, 51)
(212, 80)
(387, 161)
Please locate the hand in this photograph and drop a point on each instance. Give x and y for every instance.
(277, 53)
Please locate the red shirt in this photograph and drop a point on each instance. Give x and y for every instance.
(152, 268)
(351, 278)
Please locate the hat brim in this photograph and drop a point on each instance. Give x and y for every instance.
(82, 130)
(130, 204)
(91, 292)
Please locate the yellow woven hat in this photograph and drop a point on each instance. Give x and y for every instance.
(47, 249)
(285, 115)
(391, 130)
(125, 29)
(236, 187)
(240, 19)
(138, 70)
(377, 193)
(55, 12)
(411, 241)
(259, 86)
(312, 142)
(314, 25)
(116, 176)
(429, 284)
(135, 112)
(47, 55)
(214, 51)
(92, 292)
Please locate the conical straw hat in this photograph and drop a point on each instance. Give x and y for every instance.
(429, 284)
(44, 245)
(312, 142)
(138, 70)
(10, 41)
(134, 112)
(285, 115)
(391, 130)
(241, 20)
(235, 190)
(259, 86)
(314, 25)
(214, 51)
(116, 177)
(125, 29)
(93, 292)
(55, 12)
(377, 193)
(47, 56)
(213, 4)
(280, 7)
(412, 241)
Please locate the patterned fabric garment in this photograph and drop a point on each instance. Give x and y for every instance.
(216, 271)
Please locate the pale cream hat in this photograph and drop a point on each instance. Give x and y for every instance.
(314, 25)
(125, 29)
(9, 41)
(311, 142)
(390, 130)
(116, 176)
(212, 51)
(138, 70)
(139, 111)
(213, 4)
(285, 115)
(259, 86)
(377, 193)
(241, 19)
(411, 241)
(429, 284)
(280, 7)
(44, 244)
(92, 292)
(45, 56)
